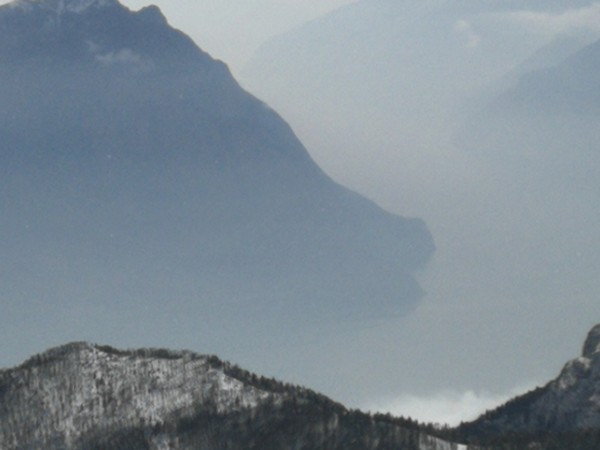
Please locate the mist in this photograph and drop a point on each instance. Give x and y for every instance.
(445, 408)
(421, 108)
(456, 113)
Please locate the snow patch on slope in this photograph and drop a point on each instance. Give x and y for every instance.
(592, 343)
(573, 372)
(432, 443)
(62, 6)
(124, 57)
(103, 386)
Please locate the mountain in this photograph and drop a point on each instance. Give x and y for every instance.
(87, 396)
(83, 396)
(144, 192)
(564, 413)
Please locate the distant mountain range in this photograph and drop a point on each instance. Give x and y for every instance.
(478, 119)
(84, 396)
(401, 78)
(407, 75)
(137, 179)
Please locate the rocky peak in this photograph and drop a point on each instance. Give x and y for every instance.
(592, 343)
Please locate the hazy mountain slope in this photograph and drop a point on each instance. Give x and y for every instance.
(395, 80)
(83, 396)
(137, 179)
(519, 5)
(570, 86)
(538, 142)
(552, 115)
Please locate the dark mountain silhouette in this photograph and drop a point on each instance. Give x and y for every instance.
(83, 396)
(137, 179)
(87, 396)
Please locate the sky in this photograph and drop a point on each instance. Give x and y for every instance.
(469, 317)
(231, 30)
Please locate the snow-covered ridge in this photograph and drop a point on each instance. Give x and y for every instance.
(85, 383)
(573, 372)
(432, 443)
(86, 347)
(82, 396)
(62, 6)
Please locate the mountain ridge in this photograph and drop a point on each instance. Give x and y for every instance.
(84, 395)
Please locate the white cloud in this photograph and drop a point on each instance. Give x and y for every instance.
(448, 407)
(466, 31)
(573, 20)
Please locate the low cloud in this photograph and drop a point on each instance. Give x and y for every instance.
(573, 20)
(466, 31)
(448, 407)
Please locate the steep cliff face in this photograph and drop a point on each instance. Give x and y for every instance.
(83, 396)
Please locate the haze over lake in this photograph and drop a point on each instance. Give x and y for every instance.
(446, 111)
